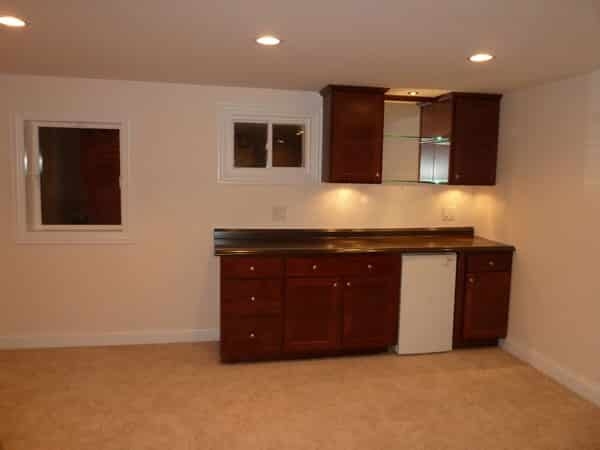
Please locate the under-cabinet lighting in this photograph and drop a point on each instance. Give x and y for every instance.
(11, 21)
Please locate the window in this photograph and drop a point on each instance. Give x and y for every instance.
(257, 146)
(71, 181)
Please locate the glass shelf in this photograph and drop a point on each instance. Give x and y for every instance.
(394, 181)
(435, 140)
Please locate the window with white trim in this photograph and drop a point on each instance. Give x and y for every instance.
(260, 146)
(71, 180)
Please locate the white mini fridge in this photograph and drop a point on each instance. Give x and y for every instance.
(426, 303)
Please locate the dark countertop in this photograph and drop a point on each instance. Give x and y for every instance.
(312, 241)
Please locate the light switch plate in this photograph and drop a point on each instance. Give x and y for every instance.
(449, 213)
(279, 213)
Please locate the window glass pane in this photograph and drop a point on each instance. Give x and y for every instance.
(288, 145)
(250, 144)
(79, 180)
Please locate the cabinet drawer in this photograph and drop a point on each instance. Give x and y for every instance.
(314, 266)
(489, 262)
(249, 297)
(251, 337)
(368, 265)
(251, 267)
(341, 265)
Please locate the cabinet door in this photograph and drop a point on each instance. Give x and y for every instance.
(370, 307)
(475, 140)
(312, 315)
(356, 137)
(434, 158)
(486, 305)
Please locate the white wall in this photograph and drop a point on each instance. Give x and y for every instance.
(164, 285)
(547, 203)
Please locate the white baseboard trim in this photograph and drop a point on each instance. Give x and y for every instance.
(110, 338)
(582, 386)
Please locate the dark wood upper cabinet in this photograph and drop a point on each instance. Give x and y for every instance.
(352, 134)
(470, 122)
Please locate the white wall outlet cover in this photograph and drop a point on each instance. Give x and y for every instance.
(279, 213)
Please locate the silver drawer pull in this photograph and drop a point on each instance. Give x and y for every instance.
(252, 298)
(369, 266)
(335, 284)
(471, 280)
(314, 267)
(348, 284)
(252, 268)
(252, 335)
(491, 263)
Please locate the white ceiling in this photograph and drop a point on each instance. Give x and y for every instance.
(390, 43)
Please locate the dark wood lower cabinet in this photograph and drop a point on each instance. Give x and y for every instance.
(368, 305)
(312, 315)
(486, 305)
(286, 307)
(308, 305)
(482, 298)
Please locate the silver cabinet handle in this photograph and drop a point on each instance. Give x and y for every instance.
(471, 280)
(252, 298)
(335, 284)
(377, 175)
(369, 266)
(348, 284)
(252, 268)
(252, 335)
(491, 263)
(314, 267)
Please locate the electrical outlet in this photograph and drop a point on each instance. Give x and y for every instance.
(279, 213)
(449, 213)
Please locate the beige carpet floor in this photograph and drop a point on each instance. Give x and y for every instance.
(180, 397)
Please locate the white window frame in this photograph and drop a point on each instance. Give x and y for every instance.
(27, 169)
(310, 120)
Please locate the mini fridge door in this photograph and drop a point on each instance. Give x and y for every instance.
(426, 303)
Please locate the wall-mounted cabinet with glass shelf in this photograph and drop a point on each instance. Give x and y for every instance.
(415, 159)
(450, 140)
(369, 137)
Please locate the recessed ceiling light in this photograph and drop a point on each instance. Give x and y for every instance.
(413, 93)
(481, 57)
(268, 40)
(11, 21)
